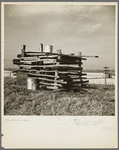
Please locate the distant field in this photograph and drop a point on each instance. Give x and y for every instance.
(96, 100)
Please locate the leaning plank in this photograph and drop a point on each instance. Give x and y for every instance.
(42, 75)
(42, 71)
(44, 83)
(67, 72)
(52, 87)
(50, 80)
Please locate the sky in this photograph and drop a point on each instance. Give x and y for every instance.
(71, 27)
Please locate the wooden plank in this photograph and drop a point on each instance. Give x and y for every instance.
(43, 71)
(38, 61)
(69, 57)
(52, 87)
(51, 80)
(42, 53)
(44, 66)
(42, 75)
(44, 83)
(31, 57)
(67, 72)
(56, 74)
(31, 62)
(62, 61)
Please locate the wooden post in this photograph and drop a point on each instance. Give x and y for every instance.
(55, 82)
(23, 47)
(59, 51)
(41, 46)
(80, 54)
(106, 70)
(80, 77)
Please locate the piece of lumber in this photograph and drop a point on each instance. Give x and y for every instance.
(54, 66)
(30, 57)
(68, 61)
(52, 87)
(42, 53)
(68, 72)
(51, 80)
(45, 71)
(44, 83)
(69, 57)
(74, 77)
(42, 75)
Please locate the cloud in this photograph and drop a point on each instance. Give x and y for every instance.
(31, 9)
(94, 27)
(96, 7)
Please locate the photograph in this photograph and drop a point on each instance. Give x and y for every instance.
(59, 75)
(59, 59)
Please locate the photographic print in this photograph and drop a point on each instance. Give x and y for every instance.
(59, 74)
(59, 60)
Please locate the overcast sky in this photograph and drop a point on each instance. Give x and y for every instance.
(89, 29)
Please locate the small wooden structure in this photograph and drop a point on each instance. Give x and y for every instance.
(55, 71)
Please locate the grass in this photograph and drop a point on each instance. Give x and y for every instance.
(97, 100)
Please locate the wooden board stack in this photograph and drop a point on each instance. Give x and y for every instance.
(53, 70)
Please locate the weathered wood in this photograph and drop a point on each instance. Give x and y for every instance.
(68, 61)
(71, 67)
(51, 80)
(42, 75)
(56, 74)
(68, 73)
(52, 87)
(29, 58)
(40, 57)
(70, 57)
(31, 62)
(23, 53)
(46, 83)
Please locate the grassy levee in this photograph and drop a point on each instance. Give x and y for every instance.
(97, 100)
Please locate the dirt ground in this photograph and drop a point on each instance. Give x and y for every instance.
(96, 100)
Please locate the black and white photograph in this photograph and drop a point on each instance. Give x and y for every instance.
(59, 59)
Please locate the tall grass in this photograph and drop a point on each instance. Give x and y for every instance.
(97, 100)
